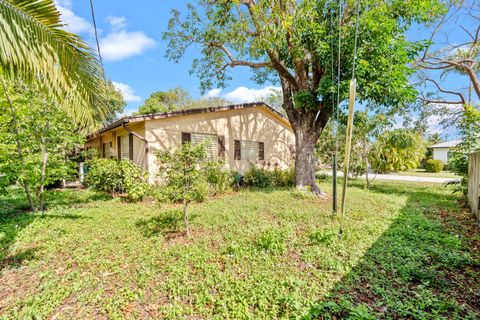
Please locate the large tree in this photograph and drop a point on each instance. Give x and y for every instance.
(295, 43)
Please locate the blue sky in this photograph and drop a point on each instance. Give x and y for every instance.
(133, 49)
(130, 35)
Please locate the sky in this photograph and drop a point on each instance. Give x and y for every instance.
(130, 35)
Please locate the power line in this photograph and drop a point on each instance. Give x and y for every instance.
(96, 39)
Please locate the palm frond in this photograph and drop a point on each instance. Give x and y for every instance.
(35, 47)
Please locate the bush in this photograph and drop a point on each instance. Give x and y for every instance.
(257, 177)
(134, 181)
(434, 165)
(113, 176)
(218, 178)
(264, 178)
(104, 175)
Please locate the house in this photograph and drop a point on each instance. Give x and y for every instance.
(240, 134)
(440, 150)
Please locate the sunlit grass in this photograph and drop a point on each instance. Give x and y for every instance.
(253, 254)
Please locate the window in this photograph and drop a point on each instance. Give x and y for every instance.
(249, 150)
(125, 147)
(106, 150)
(215, 146)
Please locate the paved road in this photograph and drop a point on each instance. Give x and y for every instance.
(395, 177)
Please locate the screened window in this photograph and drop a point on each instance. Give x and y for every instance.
(249, 150)
(124, 148)
(211, 141)
(106, 150)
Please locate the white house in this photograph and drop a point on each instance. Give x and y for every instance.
(440, 150)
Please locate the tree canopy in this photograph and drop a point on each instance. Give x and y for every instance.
(295, 43)
(177, 99)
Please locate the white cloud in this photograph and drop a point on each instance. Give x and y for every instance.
(117, 23)
(127, 92)
(74, 23)
(120, 44)
(214, 93)
(244, 94)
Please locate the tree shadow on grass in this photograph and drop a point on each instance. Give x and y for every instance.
(14, 217)
(420, 268)
(169, 224)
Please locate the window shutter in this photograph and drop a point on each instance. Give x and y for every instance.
(186, 137)
(130, 146)
(261, 151)
(238, 153)
(119, 149)
(221, 146)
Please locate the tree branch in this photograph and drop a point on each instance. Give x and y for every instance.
(234, 62)
(462, 98)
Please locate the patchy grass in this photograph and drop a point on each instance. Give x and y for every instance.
(407, 252)
(423, 173)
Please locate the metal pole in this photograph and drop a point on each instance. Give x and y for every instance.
(334, 183)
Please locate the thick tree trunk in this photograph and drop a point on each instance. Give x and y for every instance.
(307, 124)
(305, 163)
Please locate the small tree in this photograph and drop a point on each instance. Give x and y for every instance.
(398, 150)
(182, 176)
(36, 140)
(366, 129)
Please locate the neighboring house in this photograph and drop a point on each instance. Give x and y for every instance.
(240, 134)
(440, 150)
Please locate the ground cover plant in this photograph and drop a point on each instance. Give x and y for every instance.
(408, 252)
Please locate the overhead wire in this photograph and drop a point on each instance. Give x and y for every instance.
(349, 130)
(92, 10)
(336, 107)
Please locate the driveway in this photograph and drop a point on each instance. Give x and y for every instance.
(395, 177)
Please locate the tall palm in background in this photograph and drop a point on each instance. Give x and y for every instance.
(35, 48)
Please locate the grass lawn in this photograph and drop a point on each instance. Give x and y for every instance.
(407, 252)
(423, 173)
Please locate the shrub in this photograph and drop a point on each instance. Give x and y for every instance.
(283, 178)
(113, 176)
(104, 175)
(257, 177)
(218, 178)
(434, 165)
(264, 178)
(134, 181)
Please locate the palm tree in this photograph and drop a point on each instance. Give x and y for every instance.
(36, 48)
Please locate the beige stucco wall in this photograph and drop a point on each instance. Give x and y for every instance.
(251, 124)
(139, 154)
